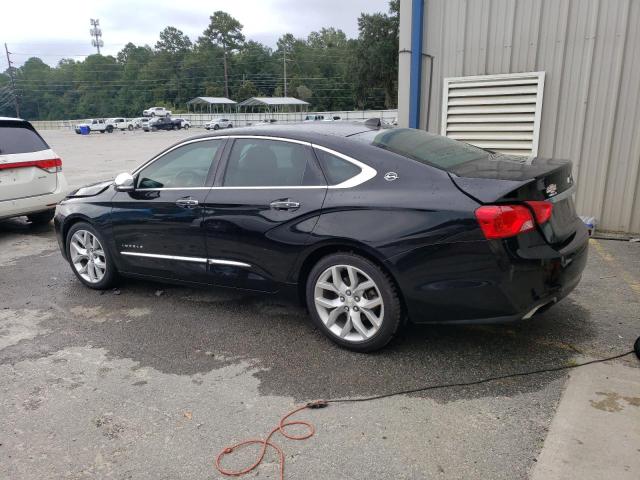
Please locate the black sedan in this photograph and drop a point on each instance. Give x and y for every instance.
(160, 123)
(367, 225)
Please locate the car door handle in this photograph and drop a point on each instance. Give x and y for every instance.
(284, 205)
(187, 202)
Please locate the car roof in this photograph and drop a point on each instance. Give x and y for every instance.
(298, 131)
(12, 119)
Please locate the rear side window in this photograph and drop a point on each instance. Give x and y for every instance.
(270, 163)
(336, 169)
(20, 139)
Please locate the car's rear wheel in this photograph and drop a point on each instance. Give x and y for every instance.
(41, 218)
(353, 302)
(229, 126)
(130, 128)
(88, 257)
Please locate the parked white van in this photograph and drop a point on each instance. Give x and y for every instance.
(31, 179)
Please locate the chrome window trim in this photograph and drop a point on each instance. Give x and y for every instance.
(366, 172)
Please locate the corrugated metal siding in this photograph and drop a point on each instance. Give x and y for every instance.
(590, 52)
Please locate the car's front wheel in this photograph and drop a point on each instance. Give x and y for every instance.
(354, 302)
(89, 259)
(216, 127)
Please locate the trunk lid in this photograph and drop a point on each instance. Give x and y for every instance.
(503, 179)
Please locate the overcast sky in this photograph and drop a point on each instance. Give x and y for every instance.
(53, 30)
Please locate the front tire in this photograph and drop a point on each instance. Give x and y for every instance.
(88, 257)
(353, 302)
(41, 218)
(216, 127)
(130, 128)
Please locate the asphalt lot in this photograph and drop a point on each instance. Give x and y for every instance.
(151, 381)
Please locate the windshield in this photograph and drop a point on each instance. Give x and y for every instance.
(424, 147)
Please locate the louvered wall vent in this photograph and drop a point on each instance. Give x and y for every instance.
(497, 112)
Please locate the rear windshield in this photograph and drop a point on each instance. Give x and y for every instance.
(435, 150)
(17, 138)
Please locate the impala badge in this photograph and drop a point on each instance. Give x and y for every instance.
(552, 189)
(390, 176)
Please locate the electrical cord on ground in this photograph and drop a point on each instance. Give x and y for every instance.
(284, 423)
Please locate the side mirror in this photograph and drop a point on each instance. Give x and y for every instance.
(124, 182)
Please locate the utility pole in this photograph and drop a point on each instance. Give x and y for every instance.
(96, 33)
(284, 63)
(13, 82)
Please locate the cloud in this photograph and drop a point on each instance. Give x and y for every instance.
(61, 29)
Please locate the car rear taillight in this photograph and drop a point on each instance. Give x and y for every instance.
(503, 221)
(51, 165)
(541, 209)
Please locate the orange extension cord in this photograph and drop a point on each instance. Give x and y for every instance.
(323, 403)
(282, 425)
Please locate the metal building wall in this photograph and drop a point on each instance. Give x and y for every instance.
(590, 51)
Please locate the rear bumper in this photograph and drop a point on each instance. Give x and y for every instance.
(488, 281)
(38, 203)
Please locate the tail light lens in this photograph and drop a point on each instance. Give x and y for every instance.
(503, 221)
(51, 165)
(542, 210)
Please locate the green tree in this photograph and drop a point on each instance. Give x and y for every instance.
(173, 41)
(376, 55)
(225, 32)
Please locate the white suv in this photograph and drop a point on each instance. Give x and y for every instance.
(156, 112)
(217, 123)
(31, 179)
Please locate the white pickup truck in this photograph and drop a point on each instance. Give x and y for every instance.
(156, 112)
(120, 123)
(95, 125)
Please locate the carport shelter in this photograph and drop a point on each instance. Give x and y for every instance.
(211, 105)
(273, 105)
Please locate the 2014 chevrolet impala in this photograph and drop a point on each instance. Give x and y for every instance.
(367, 225)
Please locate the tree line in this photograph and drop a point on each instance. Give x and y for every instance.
(326, 69)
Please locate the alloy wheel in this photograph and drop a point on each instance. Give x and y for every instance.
(349, 303)
(87, 256)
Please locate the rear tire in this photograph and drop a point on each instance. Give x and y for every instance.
(95, 251)
(41, 218)
(360, 310)
(130, 128)
(229, 126)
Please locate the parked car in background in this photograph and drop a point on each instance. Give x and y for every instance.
(313, 118)
(120, 123)
(182, 123)
(142, 121)
(156, 112)
(218, 123)
(31, 179)
(368, 225)
(159, 123)
(95, 125)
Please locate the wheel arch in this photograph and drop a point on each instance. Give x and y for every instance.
(344, 246)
